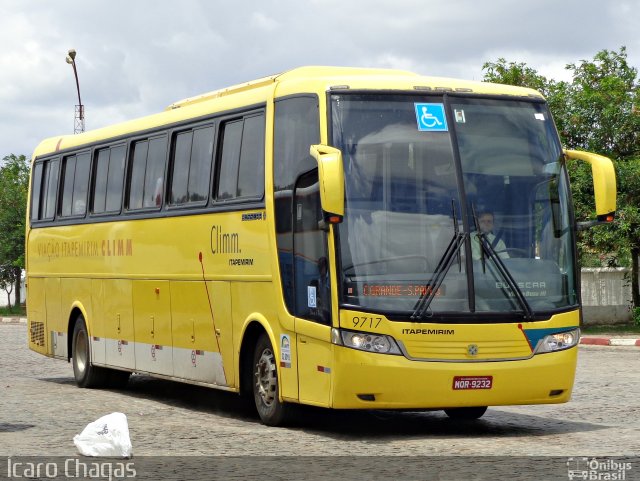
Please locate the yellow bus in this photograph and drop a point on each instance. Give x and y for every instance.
(317, 237)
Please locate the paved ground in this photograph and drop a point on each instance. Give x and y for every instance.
(41, 410)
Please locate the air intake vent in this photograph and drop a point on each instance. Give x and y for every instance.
(37, 333)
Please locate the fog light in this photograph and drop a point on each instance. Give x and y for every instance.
(367, 397)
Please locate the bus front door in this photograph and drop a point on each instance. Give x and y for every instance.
(312, 293)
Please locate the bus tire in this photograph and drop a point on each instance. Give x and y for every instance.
(85, 374)
(466, 414)
(271, 410)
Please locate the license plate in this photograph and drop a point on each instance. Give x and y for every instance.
(472, 382)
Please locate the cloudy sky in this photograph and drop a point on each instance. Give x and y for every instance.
(135, 57)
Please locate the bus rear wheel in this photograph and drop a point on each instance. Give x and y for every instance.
(84, 373)
(271, 410)
(466, 414)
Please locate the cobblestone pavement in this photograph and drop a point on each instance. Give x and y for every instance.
(41, 410)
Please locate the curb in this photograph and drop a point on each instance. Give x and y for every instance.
(609, 341)
(13, 320)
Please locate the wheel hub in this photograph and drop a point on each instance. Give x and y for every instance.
(82, 350)
(266, 378)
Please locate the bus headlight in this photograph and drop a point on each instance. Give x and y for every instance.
(365, 341)
(558, 342)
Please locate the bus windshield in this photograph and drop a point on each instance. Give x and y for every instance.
(453, 205)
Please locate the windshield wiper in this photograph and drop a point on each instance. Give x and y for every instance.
(442, 269)
(489, 250)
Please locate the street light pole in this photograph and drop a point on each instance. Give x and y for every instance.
(79, 117)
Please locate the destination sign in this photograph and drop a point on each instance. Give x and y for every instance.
(390, 290)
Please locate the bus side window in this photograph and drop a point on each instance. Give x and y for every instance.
(154, 176)
(68, 172)
(44, 187)
(146, 174)
(136, 174)
(49, 195)
(242, 159)
(36, 191)
(251, 168)
(107, 183)
(191, 166)
(229, 160)
(101, 173)
(115, 178)
(81, 184)
(75, 180)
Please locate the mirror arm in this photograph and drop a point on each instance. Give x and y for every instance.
(586, 225)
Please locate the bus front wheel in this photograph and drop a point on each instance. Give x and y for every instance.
(84, 373)
(272, 411)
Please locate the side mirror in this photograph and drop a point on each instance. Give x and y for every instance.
(331, 180)
(604, 185)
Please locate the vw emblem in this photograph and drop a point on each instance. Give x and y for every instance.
(472, 349)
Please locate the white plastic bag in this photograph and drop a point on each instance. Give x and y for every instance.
(107, 436)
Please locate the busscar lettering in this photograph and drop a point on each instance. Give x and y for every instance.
(224, 242)
(538, 288)
(448, 332)
(523, 285)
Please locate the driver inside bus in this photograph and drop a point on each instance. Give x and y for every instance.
(485, 223)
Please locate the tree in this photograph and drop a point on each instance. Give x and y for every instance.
(628, 174)
(14, 182)
(519, 74)
(617, 243)
(513, 73)
(602, 107)
(602, 116)
(599, 111)
(7, 281)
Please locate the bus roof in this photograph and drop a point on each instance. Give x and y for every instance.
(300, 80)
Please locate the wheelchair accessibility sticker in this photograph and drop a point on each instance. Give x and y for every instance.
(431, 118)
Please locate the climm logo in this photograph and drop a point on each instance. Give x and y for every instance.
(117, 247)
(223, 242)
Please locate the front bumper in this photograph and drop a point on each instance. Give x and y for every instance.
(377, 381)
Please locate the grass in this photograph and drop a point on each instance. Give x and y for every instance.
(612, 329)
(19, 311)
